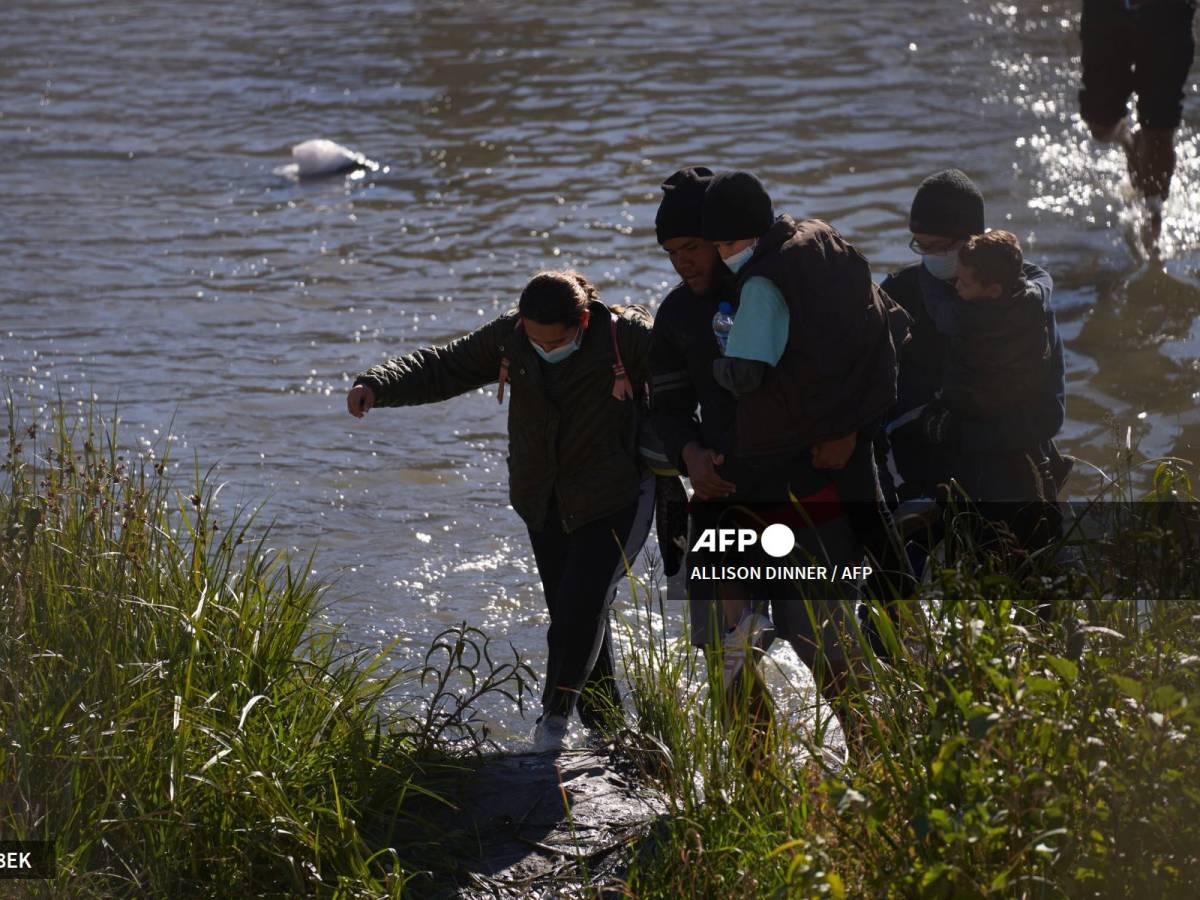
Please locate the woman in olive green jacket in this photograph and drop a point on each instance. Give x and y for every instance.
(575, 371)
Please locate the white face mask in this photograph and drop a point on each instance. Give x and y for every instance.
(739, 259)
(941, 265)
(558, 354)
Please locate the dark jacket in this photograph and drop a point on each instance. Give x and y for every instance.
(1000, 361)
(1169, 13)
(937, 314)
(838, 370)
(686, 402)
(569, 437)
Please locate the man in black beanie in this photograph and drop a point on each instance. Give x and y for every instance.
(947, 209)
(947, 205)
(682, 350)
(781, 265)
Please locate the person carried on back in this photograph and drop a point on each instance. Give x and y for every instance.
(811, 343)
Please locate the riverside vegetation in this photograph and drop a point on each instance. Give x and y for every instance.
(1033, 735)
(175, 713)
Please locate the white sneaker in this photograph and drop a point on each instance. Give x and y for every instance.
(753, 632)
(550, 734)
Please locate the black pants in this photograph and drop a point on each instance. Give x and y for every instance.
(1011, 501)
(767, 482)
(1147, 51)
(861, 493)
(580, 572)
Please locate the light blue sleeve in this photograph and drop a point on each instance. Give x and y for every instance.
(760, 327)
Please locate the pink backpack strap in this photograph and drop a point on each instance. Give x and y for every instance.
(622, 388)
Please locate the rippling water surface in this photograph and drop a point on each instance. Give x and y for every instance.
(152, 258)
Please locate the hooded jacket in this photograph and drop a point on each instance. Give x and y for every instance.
(687, 404)
(1000, 360)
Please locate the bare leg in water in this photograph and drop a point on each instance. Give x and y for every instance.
(1150, 156)
(1154, 152)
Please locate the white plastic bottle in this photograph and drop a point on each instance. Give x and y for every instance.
(722, 322)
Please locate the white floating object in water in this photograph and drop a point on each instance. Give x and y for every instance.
(323, 157)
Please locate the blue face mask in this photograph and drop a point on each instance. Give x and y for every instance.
(739, 259)
(941, 265)
(558, 354)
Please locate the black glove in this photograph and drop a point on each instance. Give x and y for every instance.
(671, 516)
(937, 424)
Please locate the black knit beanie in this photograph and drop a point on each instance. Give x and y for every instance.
(736, 206)
(947, 204)
(682, 203)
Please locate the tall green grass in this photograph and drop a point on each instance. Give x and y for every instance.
(173, 712)
(1033, 735)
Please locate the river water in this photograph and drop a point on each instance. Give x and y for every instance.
(152, 258)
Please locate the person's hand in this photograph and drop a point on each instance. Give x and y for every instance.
(360, 400)
(701, 464)
(834, 453)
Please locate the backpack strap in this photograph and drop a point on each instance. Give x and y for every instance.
(622, 388)
(503, 377)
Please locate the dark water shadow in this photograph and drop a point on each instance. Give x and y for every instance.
(1148, 307)
(1142, 335)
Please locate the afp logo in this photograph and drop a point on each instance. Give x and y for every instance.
(777, 540)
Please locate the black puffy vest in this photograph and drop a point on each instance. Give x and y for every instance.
(838, 370)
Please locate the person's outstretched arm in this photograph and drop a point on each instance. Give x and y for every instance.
(432, 374)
